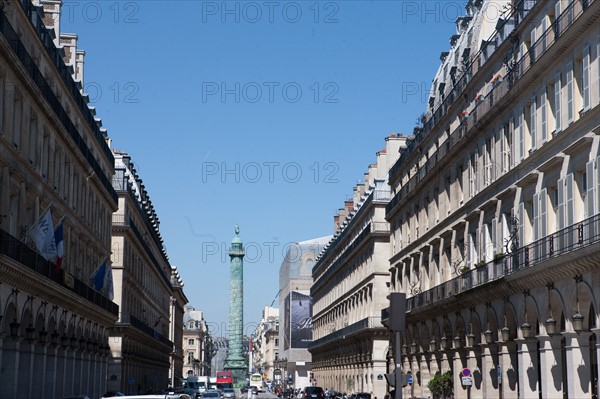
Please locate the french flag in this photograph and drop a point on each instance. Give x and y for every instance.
(60, 249)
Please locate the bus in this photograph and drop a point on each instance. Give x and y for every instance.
(256, 380)
(224, 379)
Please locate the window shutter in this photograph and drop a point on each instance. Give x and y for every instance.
(557, 104)
(521, 217)
(570, 209)
(489, 245)
(585, 78)
(543, 213)
(496, 244)
(521, 136)
(478, 245)
(560, 217)
(533, 122)
(590, 200)
(544, 116)
(532, 45)
(536, 216)
(570, 105)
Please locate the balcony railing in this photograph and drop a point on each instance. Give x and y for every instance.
(140, 325)
(148, 251)
(364, 324)
(22, 253)
(497, 92)
(562, 242)
(343, 257)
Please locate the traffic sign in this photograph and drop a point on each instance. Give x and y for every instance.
(467, 381)
(410, 379)
(466, 372)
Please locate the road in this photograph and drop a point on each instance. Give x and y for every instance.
(261, 395)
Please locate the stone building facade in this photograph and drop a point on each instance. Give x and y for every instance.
(350, 345)
(196, 344)
(495, 208)
(265, 351)
(295, 311)
(140, 344)
(54, 156)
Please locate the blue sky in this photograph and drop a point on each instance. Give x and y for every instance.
(262, 114)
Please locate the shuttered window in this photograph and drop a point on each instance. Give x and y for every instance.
(570, 101)
(557, 104)
(585, 78)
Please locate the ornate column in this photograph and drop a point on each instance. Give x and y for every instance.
(578, 364)
(528, 368)
(550, 367)
(235, 357)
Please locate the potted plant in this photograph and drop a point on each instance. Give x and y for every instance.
(498, 256)
(497, 79)
(481, 263)
(463, 269)
(463, 116)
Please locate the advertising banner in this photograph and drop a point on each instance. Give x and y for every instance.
(300, 307)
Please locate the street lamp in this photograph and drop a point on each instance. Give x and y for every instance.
(577, 318)
(444, 343)
(488, 336)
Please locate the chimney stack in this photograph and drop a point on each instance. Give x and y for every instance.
(52, 17)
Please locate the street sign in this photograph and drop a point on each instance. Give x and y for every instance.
(467, 381)
(499, 370)
(410, 379)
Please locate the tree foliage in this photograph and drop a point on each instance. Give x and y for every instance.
(441, 386)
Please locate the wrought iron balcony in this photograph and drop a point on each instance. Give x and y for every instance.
(140, 325)
(562, 242)
(20, 252)
(352, 329)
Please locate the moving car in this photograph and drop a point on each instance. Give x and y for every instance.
(228, 393)
(211, 395)
(313, 393)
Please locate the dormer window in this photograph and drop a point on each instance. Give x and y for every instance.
(441, 87)
(454, 39)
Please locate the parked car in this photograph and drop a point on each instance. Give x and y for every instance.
(313, 393)
(362, 395)
(228, 393)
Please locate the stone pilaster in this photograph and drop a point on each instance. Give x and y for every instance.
(577, 351)
(551, 367)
